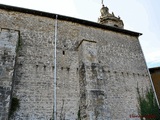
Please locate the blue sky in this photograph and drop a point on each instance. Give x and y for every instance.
(138, 15)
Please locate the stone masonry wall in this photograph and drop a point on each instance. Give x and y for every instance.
(92, 100)
(8, 43)
(110, 83)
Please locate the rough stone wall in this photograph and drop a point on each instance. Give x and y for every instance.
(8, 42)
(123, 62)
(92, 104)
(33, 81)
(109, 82)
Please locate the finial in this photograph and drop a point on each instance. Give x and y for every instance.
(102, 3)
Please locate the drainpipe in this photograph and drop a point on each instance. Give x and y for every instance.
(55, 73)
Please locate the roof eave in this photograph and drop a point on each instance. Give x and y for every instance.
(66, 18)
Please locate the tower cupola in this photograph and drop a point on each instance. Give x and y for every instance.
(109, 19)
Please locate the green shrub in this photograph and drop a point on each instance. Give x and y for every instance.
(148, 107)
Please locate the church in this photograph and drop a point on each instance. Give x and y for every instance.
(98, 67)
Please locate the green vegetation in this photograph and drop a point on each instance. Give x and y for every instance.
(148, 107)
(14, 106)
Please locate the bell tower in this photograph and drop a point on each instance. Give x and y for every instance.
(109, 19)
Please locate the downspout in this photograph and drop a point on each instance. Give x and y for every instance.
(55, 72)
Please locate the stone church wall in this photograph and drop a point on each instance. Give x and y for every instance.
(8, 43)
(97, 70)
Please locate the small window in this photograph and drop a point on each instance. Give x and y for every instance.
(52, 68)
(37, 67)
(68, 69)
(44, 68)
(63, 52)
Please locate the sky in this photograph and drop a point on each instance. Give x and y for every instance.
(138, 15)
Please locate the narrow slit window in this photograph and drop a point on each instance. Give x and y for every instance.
(44, 68)
(36, 67)
(63, 52)
(52, 68)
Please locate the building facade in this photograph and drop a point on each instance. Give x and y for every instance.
(155, 74)
(99, 67)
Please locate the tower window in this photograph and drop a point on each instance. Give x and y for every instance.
(115, 25)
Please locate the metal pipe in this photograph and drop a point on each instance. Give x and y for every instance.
(55, 72)
(150, 78)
